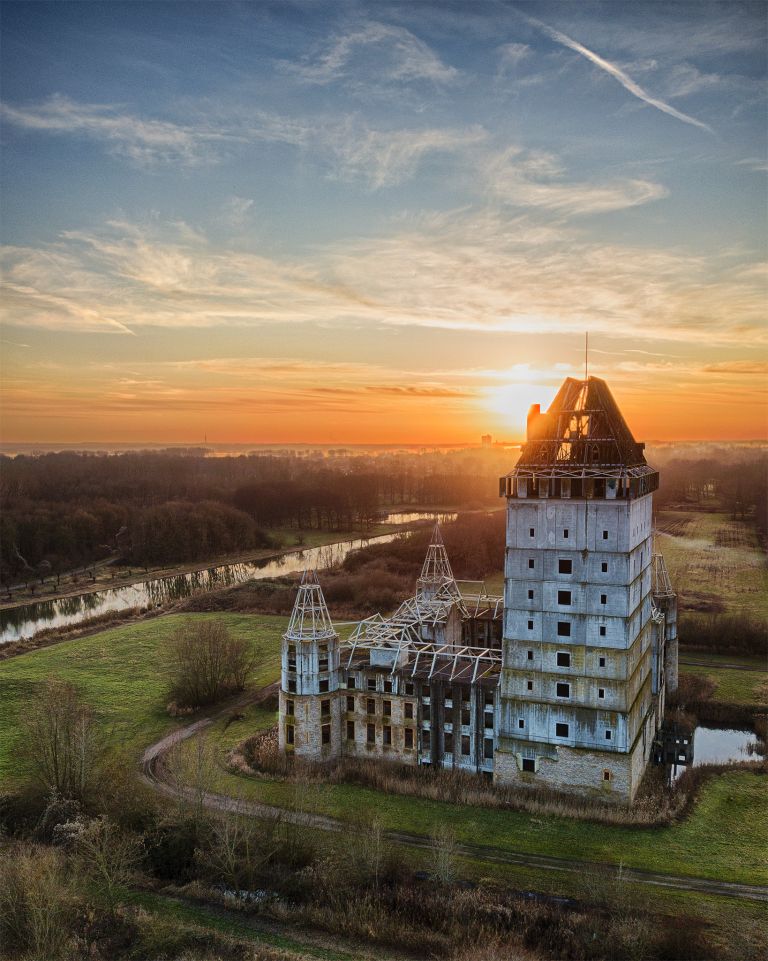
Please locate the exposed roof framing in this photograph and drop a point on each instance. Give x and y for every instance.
(583, 428)
(310, 619)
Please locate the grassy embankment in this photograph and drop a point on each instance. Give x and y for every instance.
(120, 674)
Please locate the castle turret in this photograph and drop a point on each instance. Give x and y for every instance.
(309, 709)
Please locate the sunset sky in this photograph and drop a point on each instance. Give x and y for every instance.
(380, 222)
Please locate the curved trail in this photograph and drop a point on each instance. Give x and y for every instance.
(152, 774)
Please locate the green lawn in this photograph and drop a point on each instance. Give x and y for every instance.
(726, 836)
(120, 673)
(735, 687)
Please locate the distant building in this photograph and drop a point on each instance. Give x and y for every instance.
(486, 440)
(560, 683)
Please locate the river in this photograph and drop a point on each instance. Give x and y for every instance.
(28, 620)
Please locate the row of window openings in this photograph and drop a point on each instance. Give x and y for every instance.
(323, 664)
(564, 598)
(564, 690)
(564, 659)
(564, 627)
(566, 533)
(565, 565)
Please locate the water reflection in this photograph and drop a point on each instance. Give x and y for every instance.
(26, 621)
(712, 745)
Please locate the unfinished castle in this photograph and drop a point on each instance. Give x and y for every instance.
(559, 683)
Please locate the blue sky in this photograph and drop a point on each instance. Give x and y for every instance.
(385, 221)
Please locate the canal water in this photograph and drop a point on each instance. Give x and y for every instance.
(28, 620)
(712, 745)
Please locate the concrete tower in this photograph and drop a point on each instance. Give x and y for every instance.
(582, 682)
(309, 709)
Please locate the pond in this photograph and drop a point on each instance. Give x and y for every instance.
(714, 745)
(29, 619)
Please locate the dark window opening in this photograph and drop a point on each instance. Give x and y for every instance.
(603, 598)
(530, 655)
(530, 595)
(531, 563)
(387, 687)
(529, 764)
(371, 733)
(602, 630)
(605, 535)
(324, 686)
(425, 712)
(409, 737)
(606, 775)
(563, 659)
(565, 533)
(425, 690)
(530, 625)
(602, 662)
(325, 733)
(563, 597)
(530, 685)
(448, 743)
(409, 689)
(387, 708)
(489, 720)
(608, 735)
(488, 748)
(465, 718)
(465, 744)
(350, 730)
(289, 708)
(604, 567)
(370, 706)
(325, 707)
(601, 692)
(563, 690)
(351, 683)
(292, 686)
(350, 703)
(563, 629)
(290, 734)
(387, 734)
(371, 683)
(532, 532)
(521, 723)
(409, 710)
(561, 730)
(426, 737)
(564, 566)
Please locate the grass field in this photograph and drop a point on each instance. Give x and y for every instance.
(712, 558)
(120, 673)
(734, 686)
(726, 837)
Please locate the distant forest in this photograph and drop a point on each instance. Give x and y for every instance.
(59, 511)
(63, 510)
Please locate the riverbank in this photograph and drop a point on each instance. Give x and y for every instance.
(107, 577)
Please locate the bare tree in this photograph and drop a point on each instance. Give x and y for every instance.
(109, 855)
(61, 741)
(192, 773)
(207, 663)
(239, 848)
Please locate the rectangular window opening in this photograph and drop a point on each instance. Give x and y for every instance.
(529, 764)
(563, 690)
(563, 659)
(563, 629)
(561, 730)
(564, 566)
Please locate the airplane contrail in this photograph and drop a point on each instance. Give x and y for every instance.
(627, 82)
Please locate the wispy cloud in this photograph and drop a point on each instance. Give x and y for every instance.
(466, 271)
(383, 158)
(617, 73)
(536, 179)
(144, 142)
(392, 53)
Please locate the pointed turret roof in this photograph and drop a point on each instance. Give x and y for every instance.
(310, 619)
(436, 572)
(582, 428)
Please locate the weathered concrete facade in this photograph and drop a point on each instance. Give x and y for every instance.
(562, 682)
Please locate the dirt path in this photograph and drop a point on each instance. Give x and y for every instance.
(152, 774)
(722, 666)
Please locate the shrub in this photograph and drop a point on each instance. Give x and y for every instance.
(207, 663)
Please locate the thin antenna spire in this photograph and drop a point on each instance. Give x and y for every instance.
(586, 355)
